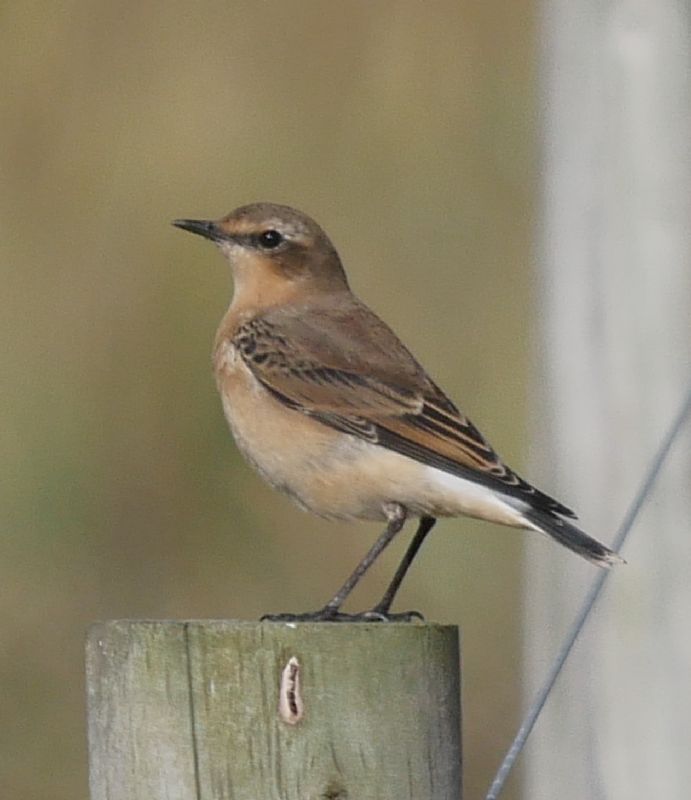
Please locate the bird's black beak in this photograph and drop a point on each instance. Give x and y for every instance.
(203, 227)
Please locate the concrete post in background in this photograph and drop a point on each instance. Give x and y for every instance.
(615, 361)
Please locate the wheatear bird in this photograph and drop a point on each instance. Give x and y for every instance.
(331, 408)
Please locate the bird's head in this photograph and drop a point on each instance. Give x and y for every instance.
(265, 242)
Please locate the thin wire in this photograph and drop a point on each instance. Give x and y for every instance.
(541, 698)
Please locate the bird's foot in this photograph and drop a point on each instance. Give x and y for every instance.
(330, 614)
(380, 615)
(326, 614)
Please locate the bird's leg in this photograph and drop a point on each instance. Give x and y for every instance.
(382, 609)
(396, 516)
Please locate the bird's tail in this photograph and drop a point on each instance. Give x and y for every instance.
(572, 537)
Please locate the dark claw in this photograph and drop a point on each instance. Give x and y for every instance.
(325, 614)
(377, 615)
(328, 614)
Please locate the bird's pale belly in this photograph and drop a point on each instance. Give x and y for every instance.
(324, 471)
(337, 475)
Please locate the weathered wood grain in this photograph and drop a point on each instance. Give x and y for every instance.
(195, 710)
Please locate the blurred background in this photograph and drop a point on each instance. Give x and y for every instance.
(407, 130)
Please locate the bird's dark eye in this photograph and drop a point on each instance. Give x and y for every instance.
(270, 239)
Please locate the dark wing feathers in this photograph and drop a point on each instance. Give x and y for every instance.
(315, 367)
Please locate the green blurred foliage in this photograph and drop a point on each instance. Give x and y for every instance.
(405, 128)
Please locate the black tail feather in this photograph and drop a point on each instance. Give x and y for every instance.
(572, 537)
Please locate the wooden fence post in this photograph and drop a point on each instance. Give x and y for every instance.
(226, 710)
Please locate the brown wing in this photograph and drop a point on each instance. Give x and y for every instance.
(345, 368)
